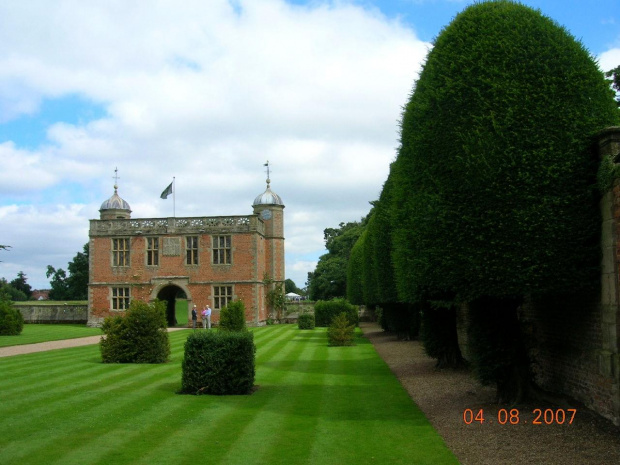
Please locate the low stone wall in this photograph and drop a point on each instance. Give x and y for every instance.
(75, 314)
(294, 308)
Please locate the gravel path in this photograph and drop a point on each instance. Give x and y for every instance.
(443, 395)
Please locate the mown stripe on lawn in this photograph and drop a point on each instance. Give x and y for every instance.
(223, 427)
(312, 402)
(86, 415)
(291, 414)
(387, 429)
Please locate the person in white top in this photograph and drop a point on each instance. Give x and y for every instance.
(206, 317)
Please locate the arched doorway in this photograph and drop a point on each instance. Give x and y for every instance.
(170, 294)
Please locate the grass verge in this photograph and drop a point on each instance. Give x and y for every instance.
(33, 333)
(313, 405)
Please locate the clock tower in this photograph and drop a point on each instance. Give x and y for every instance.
(270, 209)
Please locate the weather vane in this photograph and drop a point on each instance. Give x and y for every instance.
(115, 178)
(267, 165)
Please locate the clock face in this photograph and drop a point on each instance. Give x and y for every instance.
(265, 214)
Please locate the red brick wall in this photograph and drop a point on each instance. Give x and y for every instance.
(251, 259)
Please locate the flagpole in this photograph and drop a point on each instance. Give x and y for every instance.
(174, 195)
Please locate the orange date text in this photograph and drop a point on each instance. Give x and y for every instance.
(514, 416)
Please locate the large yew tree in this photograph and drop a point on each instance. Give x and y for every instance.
(496, 196)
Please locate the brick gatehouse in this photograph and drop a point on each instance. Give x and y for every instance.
(208, 260)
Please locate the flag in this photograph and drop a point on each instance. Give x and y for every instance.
(167, 191)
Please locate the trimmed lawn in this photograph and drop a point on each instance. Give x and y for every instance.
(33, 333)
(313, 405)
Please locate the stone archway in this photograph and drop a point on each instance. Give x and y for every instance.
(170, 294)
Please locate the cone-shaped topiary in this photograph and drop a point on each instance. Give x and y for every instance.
(232, 317)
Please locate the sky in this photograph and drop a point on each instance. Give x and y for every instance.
(206, 91)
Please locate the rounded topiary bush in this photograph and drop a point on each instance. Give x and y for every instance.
(305, 321)
(11, 319)
(138, 336)
(232, 316)
(219, 363)
(326, 310)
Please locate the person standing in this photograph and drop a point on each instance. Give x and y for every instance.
(208, 315)
(194, 316)
(204, 318)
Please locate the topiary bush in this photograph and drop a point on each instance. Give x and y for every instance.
(11, 319)
(232, 317)
(305, 321)
(326, 311)
(340, 331)
(138, 336)
(219, 363)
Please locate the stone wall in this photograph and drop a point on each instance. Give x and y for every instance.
(74, 314)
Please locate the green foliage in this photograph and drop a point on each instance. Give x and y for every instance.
(340, 331)
(219, 363)
(401, 319)
(138, 336)
(275, 297)
(439, 337)
(290, 286)
(305, 321)
(11, 319)
(75, 285)
(232, 317)
(326, 311)
(608, 172)
(20, 284)
(8, 292)
(495, 189)
(355, 273)
(330, 276)
(614, 75)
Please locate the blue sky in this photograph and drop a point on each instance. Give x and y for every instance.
(206, 92)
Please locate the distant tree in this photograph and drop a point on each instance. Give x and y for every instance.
(329, 279)
(58, 283)
(614, 74)
(20, 284)
(78, 275)
(8, 292)
(74, 286)
(290, 286)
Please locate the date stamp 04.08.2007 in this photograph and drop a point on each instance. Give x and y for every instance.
(514, 416)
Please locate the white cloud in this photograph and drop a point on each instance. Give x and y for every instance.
(22, 171)
(609, 59)
(205, 92)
